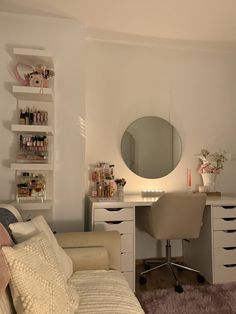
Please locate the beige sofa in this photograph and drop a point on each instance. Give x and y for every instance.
(102, 288)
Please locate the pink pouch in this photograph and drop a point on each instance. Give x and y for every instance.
(5, 240)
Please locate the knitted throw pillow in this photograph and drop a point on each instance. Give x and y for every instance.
(37, 285)
(22, 231)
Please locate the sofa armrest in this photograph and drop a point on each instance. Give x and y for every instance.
(110, 240)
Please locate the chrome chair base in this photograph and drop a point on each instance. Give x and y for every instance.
(168, 263)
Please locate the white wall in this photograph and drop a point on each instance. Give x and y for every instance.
(192, 86)
(65, 40)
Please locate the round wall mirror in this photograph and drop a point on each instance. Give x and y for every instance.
(151, 147)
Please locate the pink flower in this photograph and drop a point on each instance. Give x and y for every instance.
(211, 163)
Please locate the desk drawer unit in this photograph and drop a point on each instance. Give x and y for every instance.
(127, 242)
(129, 275)
(214, 253)
(122, 220)
(224, 243)
(127, 261)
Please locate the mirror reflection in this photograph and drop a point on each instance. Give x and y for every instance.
(151, 147)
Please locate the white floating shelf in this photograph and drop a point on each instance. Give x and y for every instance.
(32, 128)
(33, 93)
(33, 205)
(31, 167)
(33, 56)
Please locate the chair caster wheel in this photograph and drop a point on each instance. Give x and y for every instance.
(142, 280)
(200, 278)
(147, 266)
(179, 289)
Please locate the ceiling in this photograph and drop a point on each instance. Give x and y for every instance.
(213, 20)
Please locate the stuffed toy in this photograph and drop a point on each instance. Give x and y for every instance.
(38, 77)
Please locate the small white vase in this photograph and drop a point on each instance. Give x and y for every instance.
(120, 191)
(209, 180)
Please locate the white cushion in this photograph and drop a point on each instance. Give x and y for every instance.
(104, 291)
(37, 285)
(22, 231)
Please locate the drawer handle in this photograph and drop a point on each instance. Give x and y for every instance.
(229, 248)
(230, 265)
(228, 207)
(229, 219)
(113, 209)
(229, 231)
(113, 222)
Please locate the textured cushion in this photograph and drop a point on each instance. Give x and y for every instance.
(104, 292)
(37, 285)
(22, 231)
(5, 239)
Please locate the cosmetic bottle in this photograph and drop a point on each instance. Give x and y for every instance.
(27, 117)
(22, 117)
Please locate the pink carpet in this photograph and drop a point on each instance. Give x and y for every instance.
(205, 299)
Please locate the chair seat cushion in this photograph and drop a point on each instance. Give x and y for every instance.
(103, 292)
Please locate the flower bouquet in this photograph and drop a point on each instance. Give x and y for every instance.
(211, 162)
(121, 182)
(210, 166)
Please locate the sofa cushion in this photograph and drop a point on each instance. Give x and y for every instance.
(22, 231)
(37, 285)
(86, 258)
(104, 292)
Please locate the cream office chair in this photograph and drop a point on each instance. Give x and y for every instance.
(173, 216)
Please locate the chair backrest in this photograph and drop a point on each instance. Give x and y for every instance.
(175, 216)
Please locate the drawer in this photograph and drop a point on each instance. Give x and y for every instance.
(129, 276)
(221, 212)
(121, 226)
(224, 274)
(224, 223)
(127, 261)
(225, 256)
(127, 242)
(224, 239)
(111, 214)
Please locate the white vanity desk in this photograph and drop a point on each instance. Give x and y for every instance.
(214, 253)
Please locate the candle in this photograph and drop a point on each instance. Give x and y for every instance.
(189, 179)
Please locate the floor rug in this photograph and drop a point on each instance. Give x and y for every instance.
(206, 299)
